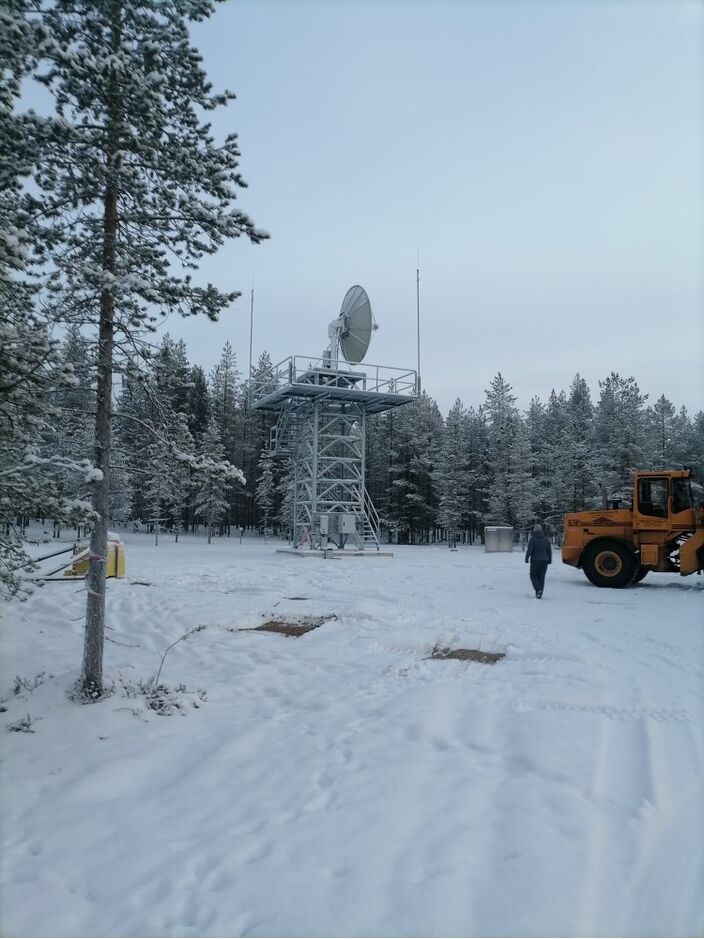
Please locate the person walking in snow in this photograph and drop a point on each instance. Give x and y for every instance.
(539, 553)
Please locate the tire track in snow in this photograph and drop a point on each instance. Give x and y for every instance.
(623, 789)
(613, 712)
(645, 650)
(535, 823)
(665, 883)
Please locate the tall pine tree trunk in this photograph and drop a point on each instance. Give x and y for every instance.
(92, 678)
(94, 640)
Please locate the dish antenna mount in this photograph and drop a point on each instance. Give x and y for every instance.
(351, 332)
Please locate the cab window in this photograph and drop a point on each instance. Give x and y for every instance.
(681, 495)
(652, 497)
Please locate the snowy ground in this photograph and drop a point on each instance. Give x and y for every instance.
(341, 783)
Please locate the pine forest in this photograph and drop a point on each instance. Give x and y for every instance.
(189, 455)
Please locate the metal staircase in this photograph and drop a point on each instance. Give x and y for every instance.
(371, 529)
(282, 435)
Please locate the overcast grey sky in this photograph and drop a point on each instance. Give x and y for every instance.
(545, 158)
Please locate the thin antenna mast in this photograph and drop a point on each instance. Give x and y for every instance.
(251, 332)
(418, 318)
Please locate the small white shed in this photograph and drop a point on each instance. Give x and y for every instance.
(498, 538)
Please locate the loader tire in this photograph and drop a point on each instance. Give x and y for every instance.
(609, 564)
(640, 574)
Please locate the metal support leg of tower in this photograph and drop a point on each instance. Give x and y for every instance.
(329, 459)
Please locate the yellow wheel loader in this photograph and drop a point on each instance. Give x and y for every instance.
(663, 531)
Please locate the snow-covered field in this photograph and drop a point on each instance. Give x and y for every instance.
(342, 783)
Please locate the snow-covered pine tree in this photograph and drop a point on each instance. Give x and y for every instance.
(224, 380)
(511, 489)
(198, 406)
(452, 473)
(579, 443)
(70, 433)
(226, 404)
(181, 457)
(253, 435)
(522, 486)
(132, 425)
(535, 428)
(259, 423)
(430, 439)
(266, 489)
(379, 434)
(162, 474)
(502, 417)
(32, 371)
(476, 443)
(620, 432)
(661, 422)
(131, 179)
(155, 447)
(171, 446)
(691, 452)
(121, 487)
(172, 374)
(263, 376)
(285, 493)
(214, 476)
(556, 468)
(155, 485)
(400, 488)
(414, 452)
(688, 446)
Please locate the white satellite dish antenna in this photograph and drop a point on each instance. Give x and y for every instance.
(352, 331)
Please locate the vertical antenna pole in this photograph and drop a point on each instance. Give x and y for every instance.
(245, 424)
(418, 320)
(251, 331)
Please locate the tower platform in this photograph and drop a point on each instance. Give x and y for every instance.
(377, 388)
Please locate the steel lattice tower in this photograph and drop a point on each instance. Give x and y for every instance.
(323, 406)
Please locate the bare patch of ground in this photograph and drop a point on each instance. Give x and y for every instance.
(467, 655)
(292, 628)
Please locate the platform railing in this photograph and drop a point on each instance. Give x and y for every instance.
(305, 370)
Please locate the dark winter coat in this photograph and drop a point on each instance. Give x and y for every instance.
(539, 549)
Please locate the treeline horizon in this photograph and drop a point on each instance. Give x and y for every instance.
(430, 476)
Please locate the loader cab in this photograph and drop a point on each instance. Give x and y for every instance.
(682, 510)
(662, 502)
(653, 493)
(682, 498)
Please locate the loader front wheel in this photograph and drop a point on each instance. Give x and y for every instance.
(609, 564)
